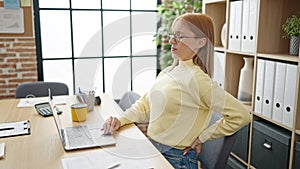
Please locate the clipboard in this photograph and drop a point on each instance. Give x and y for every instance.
(15, 128)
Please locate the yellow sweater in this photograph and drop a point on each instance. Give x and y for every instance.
(179, 106)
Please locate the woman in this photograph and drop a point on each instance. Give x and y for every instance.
(179, 105)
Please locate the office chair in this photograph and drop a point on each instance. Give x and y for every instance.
(214, 153)
(40, 89)
(128, 99)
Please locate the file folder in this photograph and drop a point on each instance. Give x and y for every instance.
(260, 76)
(235, 25)
(219, 68)
(289, 95)
(249, 25)
(279, 88)
(268, 88)
(231, 25)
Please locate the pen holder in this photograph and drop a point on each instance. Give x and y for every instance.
(88, 99)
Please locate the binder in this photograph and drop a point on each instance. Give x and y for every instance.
(279, 88)
(289, 94)
(268, 88)
(260, 76)
(235, 25)
(250, 8)
(219, 68)
(231, 25)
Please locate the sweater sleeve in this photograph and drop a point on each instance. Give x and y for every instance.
(138, 112)
(235, 115)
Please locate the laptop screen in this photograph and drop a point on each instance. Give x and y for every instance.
(55, 114)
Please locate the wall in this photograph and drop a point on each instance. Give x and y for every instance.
(17, 57)
(17, 63)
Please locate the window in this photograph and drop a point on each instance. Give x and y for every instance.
(102, 45)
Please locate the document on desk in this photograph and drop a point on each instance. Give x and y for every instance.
(14, 128)
(30, 102)
(104, 160)
(93, 161)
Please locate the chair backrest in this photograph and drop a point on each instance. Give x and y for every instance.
(128, 99)
(40, 89)
(214, 153)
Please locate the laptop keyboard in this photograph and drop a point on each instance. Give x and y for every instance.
(78, 136)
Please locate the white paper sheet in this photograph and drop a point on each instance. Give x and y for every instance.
(89, 162)
(104, 160)
(30, 102)
(11, 21)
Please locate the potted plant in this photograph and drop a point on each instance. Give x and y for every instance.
(291, 30)
(168, 11)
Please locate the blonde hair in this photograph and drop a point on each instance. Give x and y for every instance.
(201, 25)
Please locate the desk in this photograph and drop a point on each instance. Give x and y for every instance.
(43, 148)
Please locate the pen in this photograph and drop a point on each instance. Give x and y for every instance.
(113, 166)
(9, 128)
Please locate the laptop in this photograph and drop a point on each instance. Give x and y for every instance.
(80, 137)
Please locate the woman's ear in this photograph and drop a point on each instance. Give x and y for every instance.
(202, 42)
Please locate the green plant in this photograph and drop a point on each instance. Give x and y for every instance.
(291, 27)
(168, 11)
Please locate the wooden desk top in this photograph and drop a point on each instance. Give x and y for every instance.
(43, 148)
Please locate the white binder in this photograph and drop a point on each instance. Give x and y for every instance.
(289, 95)
(219, 68)
(268, 88)
(249, 25)
(231, 25)
(279, 87)
(235, 25)
(260, 76)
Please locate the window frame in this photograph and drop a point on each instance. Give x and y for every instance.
(39, 51)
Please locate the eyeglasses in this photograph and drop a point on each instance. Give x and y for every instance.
(177, 37)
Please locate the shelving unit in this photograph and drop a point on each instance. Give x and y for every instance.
(269, 45)
(279, 57)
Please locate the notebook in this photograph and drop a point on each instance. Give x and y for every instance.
(80, 137)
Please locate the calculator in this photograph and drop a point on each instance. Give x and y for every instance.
(44, 109)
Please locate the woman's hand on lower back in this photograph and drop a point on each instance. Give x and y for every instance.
(197, 145)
